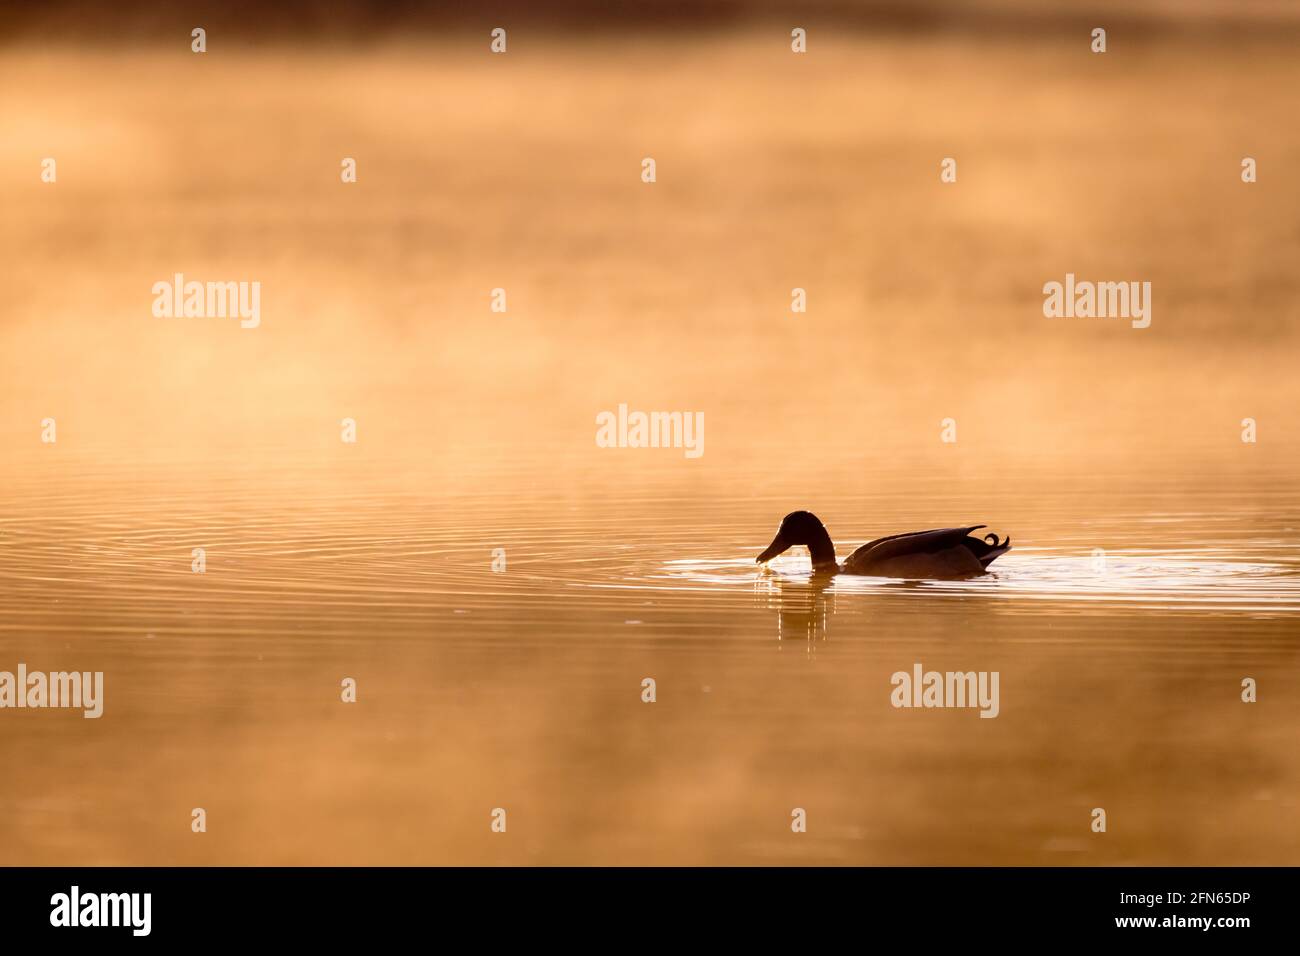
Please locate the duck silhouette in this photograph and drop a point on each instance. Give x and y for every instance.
(943, 554)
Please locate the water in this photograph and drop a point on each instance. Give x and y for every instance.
(1121, 671)
(480, 689)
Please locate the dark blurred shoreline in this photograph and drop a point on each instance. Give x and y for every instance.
(350, 21)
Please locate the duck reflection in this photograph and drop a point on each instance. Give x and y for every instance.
(804, 606)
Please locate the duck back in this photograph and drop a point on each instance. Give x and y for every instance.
(943, 553)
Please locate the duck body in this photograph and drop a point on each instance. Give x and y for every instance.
(940, 554)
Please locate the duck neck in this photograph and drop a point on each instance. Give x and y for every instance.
(821, 549)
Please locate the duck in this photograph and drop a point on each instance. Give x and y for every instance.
(945, 554)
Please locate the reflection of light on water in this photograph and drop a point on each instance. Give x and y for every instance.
(1187, 580)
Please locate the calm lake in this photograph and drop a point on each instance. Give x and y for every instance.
(499, 587)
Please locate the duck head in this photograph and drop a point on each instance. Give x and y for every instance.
(801, 527)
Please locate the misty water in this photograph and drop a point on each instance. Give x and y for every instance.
(1156, 559)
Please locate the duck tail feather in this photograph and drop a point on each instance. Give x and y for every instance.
(996, 549)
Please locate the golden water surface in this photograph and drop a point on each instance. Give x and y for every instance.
(1156, 559)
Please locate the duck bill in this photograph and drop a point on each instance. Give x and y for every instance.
(778, 546)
